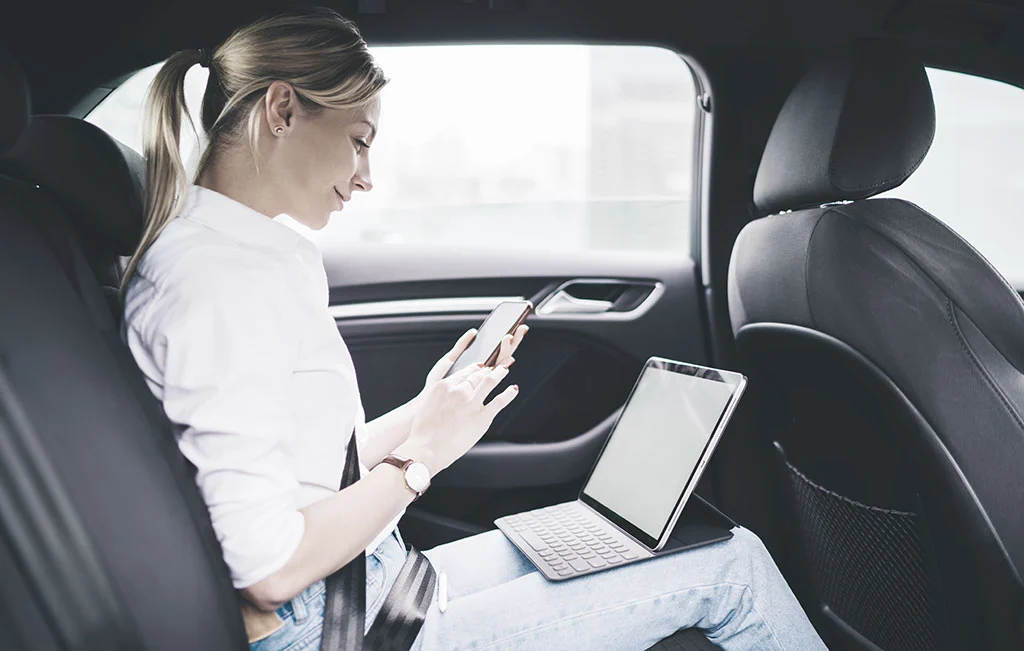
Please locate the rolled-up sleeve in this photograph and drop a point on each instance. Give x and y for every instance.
(227, 356)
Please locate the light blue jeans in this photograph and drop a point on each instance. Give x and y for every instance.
(497, 600)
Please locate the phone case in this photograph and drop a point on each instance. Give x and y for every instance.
(493, 358)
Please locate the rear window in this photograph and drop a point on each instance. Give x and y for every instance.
(973, 176)
(508, 146)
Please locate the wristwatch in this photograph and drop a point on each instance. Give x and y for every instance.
(417, 476)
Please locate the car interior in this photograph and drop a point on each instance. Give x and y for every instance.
(878, 449)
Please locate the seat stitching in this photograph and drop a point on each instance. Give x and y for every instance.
(980, 368)
(807, 268)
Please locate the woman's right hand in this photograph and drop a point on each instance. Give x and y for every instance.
(452, 416)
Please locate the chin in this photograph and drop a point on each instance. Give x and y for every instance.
(316, 221)
(321, 223)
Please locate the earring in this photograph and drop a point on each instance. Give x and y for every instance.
(279, 129)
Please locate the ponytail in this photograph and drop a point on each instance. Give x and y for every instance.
(166, 180)
(319, 53)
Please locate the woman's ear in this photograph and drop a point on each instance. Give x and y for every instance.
(280, 104)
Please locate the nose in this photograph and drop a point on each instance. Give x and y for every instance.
(361, 181)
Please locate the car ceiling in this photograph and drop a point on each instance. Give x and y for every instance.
(69, 49)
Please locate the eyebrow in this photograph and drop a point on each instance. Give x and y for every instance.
(373, 128)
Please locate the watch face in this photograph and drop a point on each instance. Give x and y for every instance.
(418, 477)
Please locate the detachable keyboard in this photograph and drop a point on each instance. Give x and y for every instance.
(569, 540)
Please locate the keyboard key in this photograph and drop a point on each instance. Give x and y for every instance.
(629, 555)
(597, 562)
(580, 565)
(566, 572)
(607, 555)
(533, 540)
(588, 554)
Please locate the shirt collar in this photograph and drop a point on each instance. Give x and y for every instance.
(238, 221)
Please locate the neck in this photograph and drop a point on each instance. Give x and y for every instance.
(233, 174)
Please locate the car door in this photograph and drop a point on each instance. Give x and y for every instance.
(585, 210)
(599, 317)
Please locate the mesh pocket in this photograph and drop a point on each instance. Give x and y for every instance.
(868, 566)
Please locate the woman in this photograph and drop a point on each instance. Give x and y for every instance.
(226, 314)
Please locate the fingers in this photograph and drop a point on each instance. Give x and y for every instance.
(474, 379)
(500, 401)
(463, 373)
(464, 341)
(506, 347)
(443, 365)
(488, 382)
(518, 337)
(514, 340)
(504, 351)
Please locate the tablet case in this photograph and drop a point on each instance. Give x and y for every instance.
(699, 524)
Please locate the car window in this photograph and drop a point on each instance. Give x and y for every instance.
(553, 147)
(973, 176)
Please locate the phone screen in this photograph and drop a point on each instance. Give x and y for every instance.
(498, 323)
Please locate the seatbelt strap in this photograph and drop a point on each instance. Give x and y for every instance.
(404, 609)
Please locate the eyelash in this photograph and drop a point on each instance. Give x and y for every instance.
(361, 145)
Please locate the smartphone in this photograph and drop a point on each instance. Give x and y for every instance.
(503, 320)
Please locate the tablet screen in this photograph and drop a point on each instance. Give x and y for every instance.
(656, 446)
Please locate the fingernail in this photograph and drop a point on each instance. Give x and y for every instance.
(515, 387)
(510, 362)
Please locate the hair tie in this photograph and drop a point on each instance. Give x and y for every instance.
(205, 57)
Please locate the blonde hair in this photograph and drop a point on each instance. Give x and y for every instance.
(317, 51)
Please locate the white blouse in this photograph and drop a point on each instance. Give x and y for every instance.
(227, 318)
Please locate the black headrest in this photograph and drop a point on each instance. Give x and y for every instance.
(854, 126)
(98, 179)
(15, 107)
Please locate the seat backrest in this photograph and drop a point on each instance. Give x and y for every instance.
(96, 180)
(105, 541)
(889, 356)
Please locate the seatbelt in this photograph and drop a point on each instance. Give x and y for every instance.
(404, 609)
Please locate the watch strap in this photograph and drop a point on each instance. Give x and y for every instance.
(399, 462)
(402, 464)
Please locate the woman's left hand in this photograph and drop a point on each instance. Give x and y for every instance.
(509, 343)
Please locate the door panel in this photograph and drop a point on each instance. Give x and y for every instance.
(401, 308)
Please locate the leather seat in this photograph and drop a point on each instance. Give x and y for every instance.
(98, 181)
(105, 542)
(888, 359)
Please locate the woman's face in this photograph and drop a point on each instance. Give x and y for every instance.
(319, 159)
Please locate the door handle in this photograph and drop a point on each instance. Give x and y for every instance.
(600, 298)
(562, 302)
